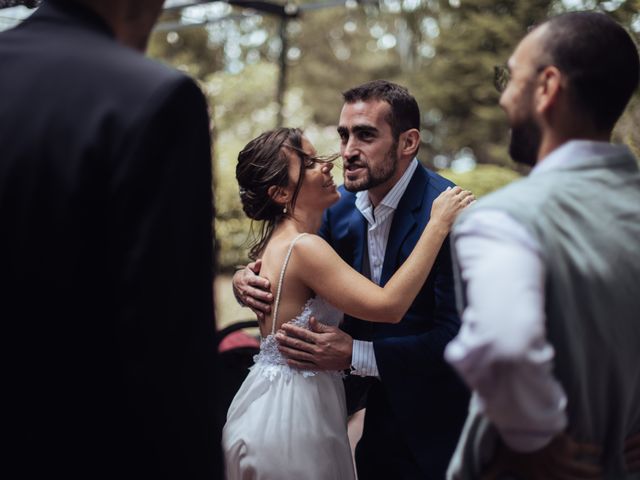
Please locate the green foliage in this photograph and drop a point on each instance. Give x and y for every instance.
(483, 179)
(627, 130)
(444, 51)
(339, 52)
(241, 110)
(188, 49)
(456, 89)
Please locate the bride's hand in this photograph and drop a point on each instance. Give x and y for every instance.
(449, 204)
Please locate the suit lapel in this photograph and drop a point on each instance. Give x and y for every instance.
(357, 236)
(405, 220)
(354, 243)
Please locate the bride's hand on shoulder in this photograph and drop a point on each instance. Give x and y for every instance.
(446, 208)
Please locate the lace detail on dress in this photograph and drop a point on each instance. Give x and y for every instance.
(271, 362)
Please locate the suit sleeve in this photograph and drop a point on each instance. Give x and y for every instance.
(161, 214)
(423, 392)
(423, 354)
(325, 231)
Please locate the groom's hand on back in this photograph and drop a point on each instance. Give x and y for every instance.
(321, 348)
(253, 291)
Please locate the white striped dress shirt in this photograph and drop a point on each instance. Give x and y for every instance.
(379, 220)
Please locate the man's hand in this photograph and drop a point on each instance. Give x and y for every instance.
(322, 348)
(632, 453)
(562, 459)
(253, 290)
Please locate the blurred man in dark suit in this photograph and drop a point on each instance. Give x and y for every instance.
(105, 250)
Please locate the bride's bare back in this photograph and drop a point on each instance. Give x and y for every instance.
(294, 294)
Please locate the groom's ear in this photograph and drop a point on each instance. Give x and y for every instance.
(409, 142)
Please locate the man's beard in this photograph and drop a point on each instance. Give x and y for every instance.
(525, 142)
(375, 177)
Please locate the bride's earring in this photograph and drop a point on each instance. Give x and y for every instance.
(284, 210)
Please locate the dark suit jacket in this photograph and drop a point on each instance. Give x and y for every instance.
(415, 414)
(105, 257)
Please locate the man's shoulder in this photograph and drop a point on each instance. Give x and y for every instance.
(130, 72)
(83, 61)
(346, 195)
(424, 186)
(85, 82)
(347, 201)
(128, 82)
(424, 177)
(337, 217)
(435, 180)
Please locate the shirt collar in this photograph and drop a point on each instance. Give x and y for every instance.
(392, 198)
(574, 152)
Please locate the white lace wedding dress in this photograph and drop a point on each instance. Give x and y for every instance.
(284, 423)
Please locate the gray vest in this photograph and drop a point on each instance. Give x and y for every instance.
(586, 219)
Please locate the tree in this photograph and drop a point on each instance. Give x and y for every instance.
(338, 50)
(456, 85)
(188, 49)
(443, 50)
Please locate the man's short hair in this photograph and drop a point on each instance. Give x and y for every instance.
(600, 60)
(404, 114)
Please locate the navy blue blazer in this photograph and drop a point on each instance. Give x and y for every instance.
(420, 404)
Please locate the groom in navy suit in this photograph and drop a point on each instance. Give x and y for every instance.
(415, 404)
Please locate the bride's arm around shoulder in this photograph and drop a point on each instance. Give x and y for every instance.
(320, 268)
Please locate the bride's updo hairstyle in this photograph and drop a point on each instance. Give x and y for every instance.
(263, 163)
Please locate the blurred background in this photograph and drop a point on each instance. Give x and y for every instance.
(289, 66)
(264, 64)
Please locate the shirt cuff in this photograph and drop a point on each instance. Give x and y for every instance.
(363, 360)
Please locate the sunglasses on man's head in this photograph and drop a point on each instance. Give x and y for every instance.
(502, 76)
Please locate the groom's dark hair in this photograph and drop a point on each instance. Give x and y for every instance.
(404, 114)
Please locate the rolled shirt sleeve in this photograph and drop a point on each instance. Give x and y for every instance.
(501, 350)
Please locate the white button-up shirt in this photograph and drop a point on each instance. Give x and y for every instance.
(379, 220)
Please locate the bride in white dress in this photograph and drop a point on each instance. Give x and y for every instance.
(291, 424)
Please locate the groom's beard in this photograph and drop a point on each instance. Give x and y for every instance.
(525, 142)
(375, 175)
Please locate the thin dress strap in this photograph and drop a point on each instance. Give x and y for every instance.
(284, 267)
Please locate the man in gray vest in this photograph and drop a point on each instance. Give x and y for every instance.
(548, 270)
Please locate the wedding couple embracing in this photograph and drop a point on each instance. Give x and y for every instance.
(374, 251)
